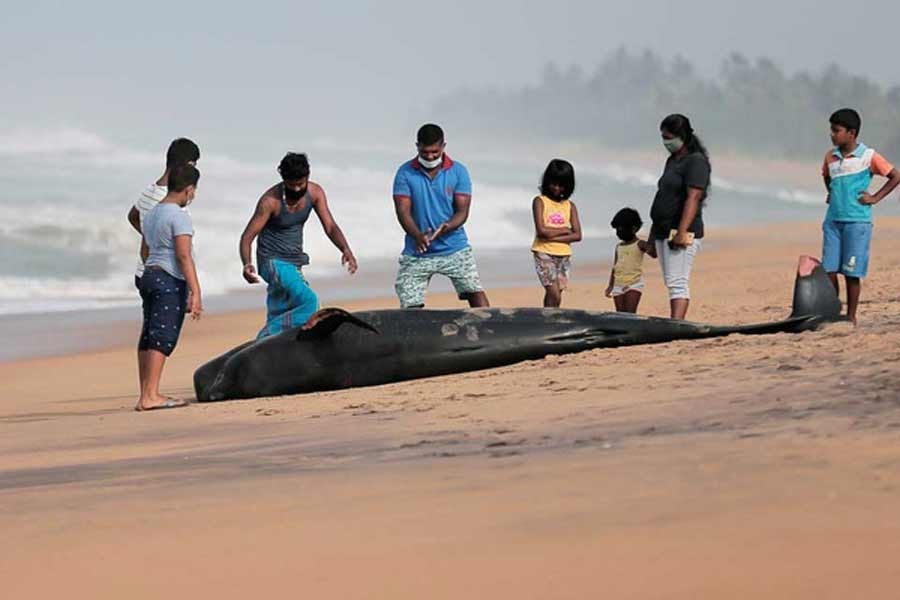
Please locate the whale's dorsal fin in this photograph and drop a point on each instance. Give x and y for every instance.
(326, 321)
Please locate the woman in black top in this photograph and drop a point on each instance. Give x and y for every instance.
(677, 210)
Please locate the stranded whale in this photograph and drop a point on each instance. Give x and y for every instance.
(336, 349)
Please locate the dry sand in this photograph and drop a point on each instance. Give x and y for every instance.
(742, 467)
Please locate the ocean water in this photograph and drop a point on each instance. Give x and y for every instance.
(65, 243)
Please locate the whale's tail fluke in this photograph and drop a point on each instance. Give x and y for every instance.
(814, 294)
(815, 303)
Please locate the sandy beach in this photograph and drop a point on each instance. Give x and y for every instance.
(740, 467)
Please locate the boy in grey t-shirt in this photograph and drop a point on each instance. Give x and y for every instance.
(162, 226)
(169, 285)
(182, 151)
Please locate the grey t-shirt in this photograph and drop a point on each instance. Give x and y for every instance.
(690, 171)
(161, 226)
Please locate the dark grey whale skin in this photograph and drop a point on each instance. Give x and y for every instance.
(344, 350)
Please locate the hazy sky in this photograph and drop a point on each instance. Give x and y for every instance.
(144, 72)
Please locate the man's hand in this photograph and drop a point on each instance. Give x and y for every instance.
(348, 260)
(195, 306)
(441, 230)
(250, 275)
(680, 240)
(422, 242)
(867, 199)
(651, 248)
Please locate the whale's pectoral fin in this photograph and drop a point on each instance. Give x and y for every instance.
(326, 321)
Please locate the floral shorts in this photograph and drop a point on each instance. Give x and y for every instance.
(552, 269)
(416, 272)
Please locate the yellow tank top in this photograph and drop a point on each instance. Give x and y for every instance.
(628, 269)
(558, 215)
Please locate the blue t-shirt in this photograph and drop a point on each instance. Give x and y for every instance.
(851, 176)
(432, 203)
(160, 227)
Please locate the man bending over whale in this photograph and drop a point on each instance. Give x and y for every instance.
(278, 220)
(432, 194)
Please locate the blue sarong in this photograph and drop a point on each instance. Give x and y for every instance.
(290, 302)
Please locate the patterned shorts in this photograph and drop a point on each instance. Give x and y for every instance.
(552, 269)
(416, 272)
(164, 301)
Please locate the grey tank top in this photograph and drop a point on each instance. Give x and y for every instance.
(282, 237)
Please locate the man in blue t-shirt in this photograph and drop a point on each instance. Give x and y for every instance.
(432, 194)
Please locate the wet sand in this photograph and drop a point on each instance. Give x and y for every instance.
(740, 467)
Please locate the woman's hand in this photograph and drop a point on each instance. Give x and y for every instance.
(608, 292)
(681, 240)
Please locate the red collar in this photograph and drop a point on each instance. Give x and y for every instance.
(445, 164)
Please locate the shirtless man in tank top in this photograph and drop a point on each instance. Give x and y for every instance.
(278, 222)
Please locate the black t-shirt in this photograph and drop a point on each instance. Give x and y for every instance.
(691, 170)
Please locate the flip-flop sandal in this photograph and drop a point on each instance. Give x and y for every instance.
(169, 403)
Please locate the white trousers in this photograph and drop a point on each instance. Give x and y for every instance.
(676, 267)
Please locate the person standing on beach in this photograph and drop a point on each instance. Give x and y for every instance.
(169, 284)
(677, 210)
(847, 230)
(278, 220)
(556, 227)
(182, 151)
(626, 278)
(432, 195)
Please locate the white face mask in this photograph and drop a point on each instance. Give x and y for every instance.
(431, 164)
(673, 145)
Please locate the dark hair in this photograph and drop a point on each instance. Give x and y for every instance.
(181, 152)
(680, 126)
(429, 134)
(561, 172)
(848, 118)
(293, 166)
(627, 217)
(182, 177)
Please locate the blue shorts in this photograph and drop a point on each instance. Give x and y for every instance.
(165, 300)
(845, 247)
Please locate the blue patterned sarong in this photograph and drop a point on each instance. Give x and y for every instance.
(290, 302)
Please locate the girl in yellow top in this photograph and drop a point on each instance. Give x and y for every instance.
(627, 277)
(556, 226)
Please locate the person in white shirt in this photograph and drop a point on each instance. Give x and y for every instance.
(182, 151)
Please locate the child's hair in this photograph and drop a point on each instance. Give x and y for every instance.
(182, 151)
(680, 126)
(847, 118)
(627, 217)
(560, 172)
(294, 166)
(182, 177)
